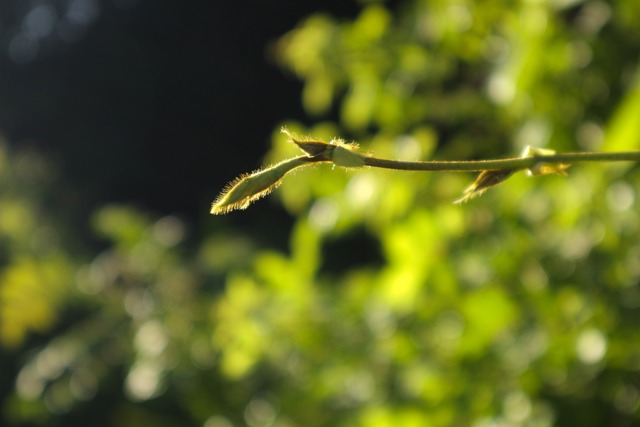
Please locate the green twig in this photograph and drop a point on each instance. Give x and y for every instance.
(537, 161)
(515, 163)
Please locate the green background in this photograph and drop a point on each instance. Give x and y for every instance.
(377, 302)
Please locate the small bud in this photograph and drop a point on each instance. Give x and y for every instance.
(337, 151)
(345, 155)
(485, 180)
(542, 168)
(310, 146)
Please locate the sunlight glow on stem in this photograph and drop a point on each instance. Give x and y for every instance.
(241, 192)
(516, 163)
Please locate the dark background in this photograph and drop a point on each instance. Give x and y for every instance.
(156, 103)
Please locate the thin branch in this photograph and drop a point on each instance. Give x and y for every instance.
(247, 188)
(515, 163)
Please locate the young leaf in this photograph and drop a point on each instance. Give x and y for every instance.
(239, 193)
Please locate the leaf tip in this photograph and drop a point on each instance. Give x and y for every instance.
(311, 147)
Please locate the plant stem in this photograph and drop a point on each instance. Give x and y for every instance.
(516, 163)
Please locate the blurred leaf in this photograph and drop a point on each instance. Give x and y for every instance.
(623, 130)
(121, 224)
(31, 292)
(488, 313)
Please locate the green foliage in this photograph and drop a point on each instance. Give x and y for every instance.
(35, 274)
(518, 309)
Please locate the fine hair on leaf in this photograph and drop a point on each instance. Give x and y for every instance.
(247, 188)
